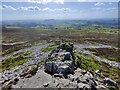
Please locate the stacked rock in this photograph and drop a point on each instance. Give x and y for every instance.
(61, 60)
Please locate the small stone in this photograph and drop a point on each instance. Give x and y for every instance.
(57, 84)
(28, 76)
(15, 80)
(101, 87)
(83, 72)
(5, 77)
(46, 84)
(2, 81)
(97, 71)
(58, 75)
(83, 86)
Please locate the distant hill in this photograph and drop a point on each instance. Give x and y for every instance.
(53, 23)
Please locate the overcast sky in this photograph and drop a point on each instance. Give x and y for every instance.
(58, 9)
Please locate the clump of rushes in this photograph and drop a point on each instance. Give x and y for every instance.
(49, 48)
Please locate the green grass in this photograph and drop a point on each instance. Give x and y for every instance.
(88, 63)
(41, 62)
(16, 54)
(49, 48)
(12, 62)
(27, 52)
(24, 53)
(112, 88)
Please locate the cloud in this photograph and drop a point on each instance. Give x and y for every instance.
(65, 9)
(99, 4)
(47, 9)
(33, 8)
(22, 8)
(46, 1)
(8, 7)
(29, 8)
(36, 8)
(57, 9)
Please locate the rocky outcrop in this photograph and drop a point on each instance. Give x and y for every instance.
(60, 63)
(8, 85)
(109, 82)
(59, 67)
(60, 60)
(65, 74)
(58, 42)
(28, 71)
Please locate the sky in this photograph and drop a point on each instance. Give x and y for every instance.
(57, 9)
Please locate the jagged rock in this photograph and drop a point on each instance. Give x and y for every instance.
(101, 87)
(109, 82)
(15, 80)
(85, 79)
(63, 48)
(88, 75)
(60, 60)
(61, 56)
(28, 76)
(8, 85)
(97, 71)
(58, 75)
(73, 77)
(29, 70)
(5, 77)
(75, 84)
(58, 42)
(2, 82)
(64, 56)
(67, 47)
(84, 86)
(57, 84)
(59, 67)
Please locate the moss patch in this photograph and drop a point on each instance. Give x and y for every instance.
(49, 48)
(24, 53)
(12, 62)
(27, 52)
(112, 88)
(88, 63)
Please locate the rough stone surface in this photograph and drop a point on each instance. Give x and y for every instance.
(29, 70)
(109, 82)
(59, 67)
(60, 60)
(60, 63)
